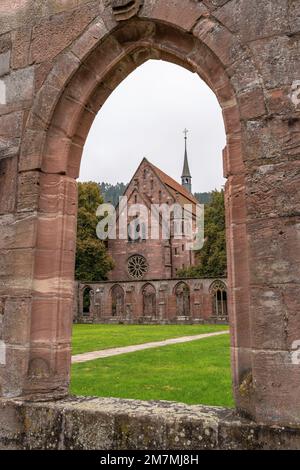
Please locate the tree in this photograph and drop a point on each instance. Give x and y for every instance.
(111, 192)
(211, 260)
(92, 259)
(204, 198)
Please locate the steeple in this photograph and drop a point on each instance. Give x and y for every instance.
(186, 179)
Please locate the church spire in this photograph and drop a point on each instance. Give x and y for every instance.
(186, 179)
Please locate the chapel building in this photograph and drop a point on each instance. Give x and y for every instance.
(139, 256)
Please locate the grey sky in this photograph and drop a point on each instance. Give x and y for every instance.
(145, 117)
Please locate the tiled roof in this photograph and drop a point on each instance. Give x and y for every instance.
(174, 185)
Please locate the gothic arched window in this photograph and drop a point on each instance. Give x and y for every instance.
(87, 300)
(149, 301)
(117, 301)
(218, 291)
(182, 293)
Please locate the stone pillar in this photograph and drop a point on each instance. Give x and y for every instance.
(50, 308)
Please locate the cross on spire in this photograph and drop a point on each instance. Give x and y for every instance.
(186, 131)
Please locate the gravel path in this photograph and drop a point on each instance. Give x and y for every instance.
(90, 356)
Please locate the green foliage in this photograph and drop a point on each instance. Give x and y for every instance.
(111, 192)
(92, 260)
(203, 198)
(211, 260)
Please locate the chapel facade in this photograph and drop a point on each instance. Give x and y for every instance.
(140, 255)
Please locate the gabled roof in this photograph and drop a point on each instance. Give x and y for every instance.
(173, 185)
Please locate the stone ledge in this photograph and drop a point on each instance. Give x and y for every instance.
(117, 424)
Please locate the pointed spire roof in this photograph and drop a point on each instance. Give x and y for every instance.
(186, 170)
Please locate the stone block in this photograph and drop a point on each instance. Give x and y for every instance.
(19, 86)
(89, 39)
(20, 48)
(220, 40)
(74, 161)
(232, 119)
(241, 17)
(252, 103)
(173, 40)
(56, 231)
(45, 320)
(11, 124)
(17, 321)
(4, 63)
(272, 191)
(275, 378)
(235, 199)
(183, 15)
(17, 231)
(277, 60)
(243, 74)
(5, 43)
(58, 195)
(117, 74)
(268, 142)
(274, 256)
(28, 191)
(32, 150)
(275, 323)
(103, 58)
(8, 182)
(294, 16)
(53, 34)
(135, 31)
(13, 375)
(56, 152)
(54, 270)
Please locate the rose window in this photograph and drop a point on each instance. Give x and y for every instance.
(137, 266)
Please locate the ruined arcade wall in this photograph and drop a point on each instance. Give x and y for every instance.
(167, 309)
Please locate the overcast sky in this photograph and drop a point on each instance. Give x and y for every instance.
(145, 117)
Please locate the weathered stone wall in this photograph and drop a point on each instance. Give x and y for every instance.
(59, 61)
(166, 306)
(109, 423)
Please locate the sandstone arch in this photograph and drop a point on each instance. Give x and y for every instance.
(117, 301)
(183, 301)
(72, 77)
(149, 301)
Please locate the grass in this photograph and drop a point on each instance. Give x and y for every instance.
(88, 338)
(192, 373)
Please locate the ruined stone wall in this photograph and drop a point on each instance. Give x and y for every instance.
(110, 423)
(59, 61)
(167, 305)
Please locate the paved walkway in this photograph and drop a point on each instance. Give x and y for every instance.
(90, 356)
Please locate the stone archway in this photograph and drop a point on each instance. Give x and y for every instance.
(218, 292)
(183, 301)
(149, 301)
(117, 301)
(87, 301)
(44, 127)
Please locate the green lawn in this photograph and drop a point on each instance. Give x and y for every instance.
(96, 337)
(192, 373)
